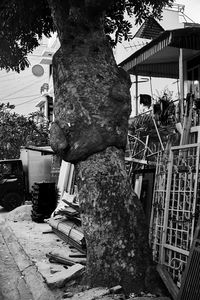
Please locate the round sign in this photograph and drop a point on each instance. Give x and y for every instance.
(38, 70)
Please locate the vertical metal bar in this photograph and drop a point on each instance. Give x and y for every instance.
(184, 208)
(151, 87)
(136, 95)
(181, 77)
(158, 134)
(154, 196)
(166, 209)
(195, 192)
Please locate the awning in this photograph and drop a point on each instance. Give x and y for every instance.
(160, 58)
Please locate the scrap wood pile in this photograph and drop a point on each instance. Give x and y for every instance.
(66, 224)
(69, 233)
(66, 258)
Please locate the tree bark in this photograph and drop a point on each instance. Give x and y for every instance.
(92, 107)
(113, 222)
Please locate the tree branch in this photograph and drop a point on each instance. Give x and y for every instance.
(59, 12)
(97, 7)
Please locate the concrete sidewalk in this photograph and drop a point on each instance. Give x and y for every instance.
(23, 248)
(19, 278)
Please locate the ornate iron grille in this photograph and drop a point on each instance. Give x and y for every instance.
(175, 208)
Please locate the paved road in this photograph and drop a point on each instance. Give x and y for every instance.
(12, 283)
(19, 277)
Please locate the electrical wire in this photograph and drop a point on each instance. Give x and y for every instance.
(18, 78)
(27, 101)
(184, 15)
(17, 91)
(6, 75)
(20, 97)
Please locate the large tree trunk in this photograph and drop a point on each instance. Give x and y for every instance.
(92, 107)
(113, 222)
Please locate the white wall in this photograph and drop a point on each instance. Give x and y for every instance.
(37, 166)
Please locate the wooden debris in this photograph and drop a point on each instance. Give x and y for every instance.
(91, 294)
(67, 295)
(68, 232)
(47, 231)
(73, 205)
(148, 298)
(168, 281)
(114, 297)
(100, 293)
(116, 289)
(77, 255)
(66, 258)
(60, 260)
(68, 211)
(60, 278)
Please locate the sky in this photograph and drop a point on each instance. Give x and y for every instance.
(192, 9)
(23, 89)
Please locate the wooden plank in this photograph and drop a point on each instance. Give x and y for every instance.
(158, 134)
(140, 161)
(168, 281)
(59, 279)
(187, 120)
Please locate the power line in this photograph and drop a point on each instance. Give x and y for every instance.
(7, 96)
(184, 15)
(27, 96)
(27, 101)
(6, 75)
(20, 77)
(13, 85)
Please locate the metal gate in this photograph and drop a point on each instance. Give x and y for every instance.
(175, 208)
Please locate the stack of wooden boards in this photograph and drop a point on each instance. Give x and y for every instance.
(69, 232)
(66, 224)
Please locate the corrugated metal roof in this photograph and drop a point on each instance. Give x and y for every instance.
(160, 57)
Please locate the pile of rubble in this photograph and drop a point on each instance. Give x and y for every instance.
(66, 224)
(68, 262)
(61, 252)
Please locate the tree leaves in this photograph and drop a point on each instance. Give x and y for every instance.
(23, 23)
(17, 130)
(116, 24)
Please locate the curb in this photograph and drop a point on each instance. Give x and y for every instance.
(32, 277)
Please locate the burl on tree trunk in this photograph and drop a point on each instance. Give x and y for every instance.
(92, 107)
